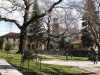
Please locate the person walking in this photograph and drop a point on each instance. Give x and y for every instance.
(67, 56)
(95, 60)
(89, 55)
(71, 56)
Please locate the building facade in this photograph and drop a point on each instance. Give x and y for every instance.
(75, 43)
(14, 39)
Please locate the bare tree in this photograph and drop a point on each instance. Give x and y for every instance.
(48, 20)
(91, 17)
(71, 24)
(23, 6)
(67, 25)
(47, 30)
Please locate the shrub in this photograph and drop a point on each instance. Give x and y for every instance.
(8, 47)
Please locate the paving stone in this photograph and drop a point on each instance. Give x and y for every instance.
(7, 69)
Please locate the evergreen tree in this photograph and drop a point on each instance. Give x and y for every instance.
(8, 47)
(86, 39)
(62, 42)
(35, 28)
(90, 13)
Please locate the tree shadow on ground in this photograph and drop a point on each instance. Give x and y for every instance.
(89, 74)
(64, 73)
(25, 70)
(58, 71)
(6, 67)
(50, 70)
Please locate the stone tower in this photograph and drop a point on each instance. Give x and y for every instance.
(55, 32)
(55, 27)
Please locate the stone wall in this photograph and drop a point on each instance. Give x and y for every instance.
(13, 41)
(77, 53)
(50, 52)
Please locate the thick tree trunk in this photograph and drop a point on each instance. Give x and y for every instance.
(23, 37)
(99, 52)
(48, 43)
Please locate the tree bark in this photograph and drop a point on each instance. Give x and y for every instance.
(23, 37)
(99, 52)
(48, 43)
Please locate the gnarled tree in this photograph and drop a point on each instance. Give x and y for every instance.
(23, 6)
(91, 23)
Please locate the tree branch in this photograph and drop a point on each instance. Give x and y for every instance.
(54, 41)
(58, 35)
(15, 3)
(42, 15)
(9, 10)
(9, 20)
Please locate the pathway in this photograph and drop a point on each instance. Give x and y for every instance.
(86, 65)
(7, 69)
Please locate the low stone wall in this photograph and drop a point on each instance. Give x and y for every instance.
(50, 52)
(77, 53)
(80, 53)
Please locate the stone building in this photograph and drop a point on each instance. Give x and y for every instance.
(34, 46)
(12, 37)
(55, 32)
(75, 43)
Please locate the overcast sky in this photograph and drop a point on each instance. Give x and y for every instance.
(6, 27)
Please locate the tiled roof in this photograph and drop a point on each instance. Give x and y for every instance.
(76, 42)
(11, 35)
